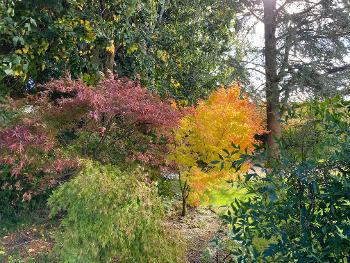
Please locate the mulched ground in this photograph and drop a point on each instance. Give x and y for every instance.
(27, 243)
(199, 228)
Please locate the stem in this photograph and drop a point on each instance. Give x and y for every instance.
(101, 141)
(185, 190)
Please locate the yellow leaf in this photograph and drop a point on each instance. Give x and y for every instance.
(175, 84)
(163, 55)
(116, 18)
(132, 49)
(45, 45)
(110, 48)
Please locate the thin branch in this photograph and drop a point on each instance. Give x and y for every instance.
(254, 14)
(338, 69)
(257, 70)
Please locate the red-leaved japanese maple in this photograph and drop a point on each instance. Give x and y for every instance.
(117, 113)
(68, 119)
(28, 160)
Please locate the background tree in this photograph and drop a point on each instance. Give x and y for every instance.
(304, 47)
(179, 49)
(193, 48)
(45, 39)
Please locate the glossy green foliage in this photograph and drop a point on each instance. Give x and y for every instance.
(46, 39)
(179, 49)
(41, 40)
(194, 41)
(111, 215)
(302, 206)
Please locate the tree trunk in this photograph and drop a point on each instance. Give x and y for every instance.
(272, 92)
(184, 206)
(184, 194)
(109, 63)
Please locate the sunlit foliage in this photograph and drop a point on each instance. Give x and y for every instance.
(121, 221)
(216, 127)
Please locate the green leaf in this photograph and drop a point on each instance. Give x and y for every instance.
(226, 151)
(273, 197)
(27, 26)
(9, 72)
(25, 68)
(33, 22)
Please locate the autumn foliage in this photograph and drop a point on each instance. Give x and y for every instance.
(227, 119)
(117, 117)
(116, 121)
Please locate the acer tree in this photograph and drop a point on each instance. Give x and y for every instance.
(104, 205)
(117, 116)
(30, 163)
(225, 123)
(117, 121)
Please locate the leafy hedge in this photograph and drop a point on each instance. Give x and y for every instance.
(302, 206)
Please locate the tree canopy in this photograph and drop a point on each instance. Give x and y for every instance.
(177, 49)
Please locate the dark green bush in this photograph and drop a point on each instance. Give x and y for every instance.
(110, 215)
(302, 206)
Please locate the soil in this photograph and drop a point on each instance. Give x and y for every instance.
(28, 243)
(199, 228)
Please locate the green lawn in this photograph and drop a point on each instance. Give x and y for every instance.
(222, 197)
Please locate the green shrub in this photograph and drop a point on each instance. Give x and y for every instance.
(301, 208)
(112, 216)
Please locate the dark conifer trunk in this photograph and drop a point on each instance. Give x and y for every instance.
(272, 92)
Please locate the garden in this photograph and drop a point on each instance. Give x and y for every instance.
(155, 131)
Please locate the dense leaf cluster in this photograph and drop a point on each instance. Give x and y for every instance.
(176, 47)
(228, 118)
(301, 207)
(117, 121)
(112, 216)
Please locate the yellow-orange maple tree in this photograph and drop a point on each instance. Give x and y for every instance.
(225, 119)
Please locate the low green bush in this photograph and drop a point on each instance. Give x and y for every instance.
(112, 216)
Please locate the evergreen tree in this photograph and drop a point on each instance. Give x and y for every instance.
(305, 50)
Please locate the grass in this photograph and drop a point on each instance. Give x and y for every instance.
(220, 199)
(224, 196)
